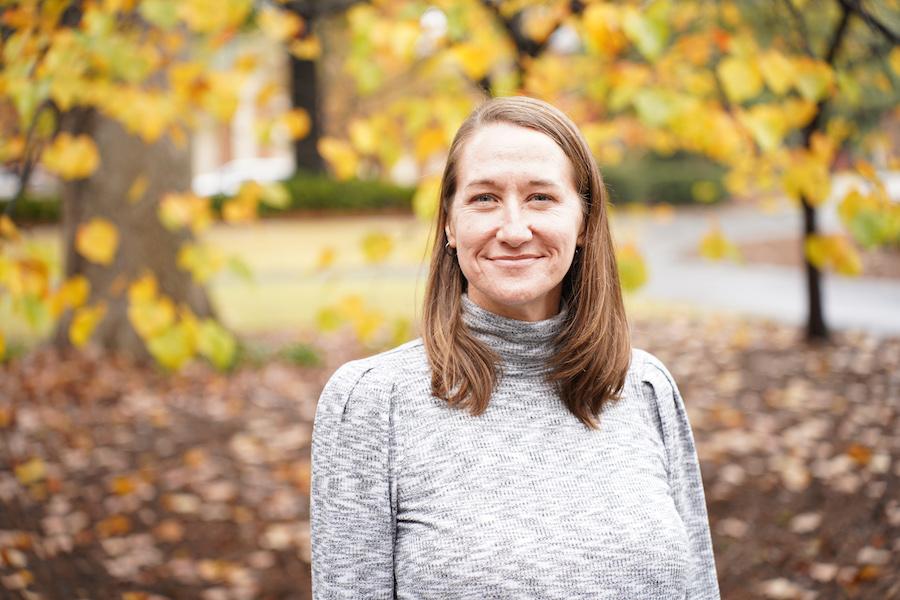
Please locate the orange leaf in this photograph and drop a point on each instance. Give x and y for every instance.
(97, 240)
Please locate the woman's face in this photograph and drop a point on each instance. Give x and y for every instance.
(515, 221)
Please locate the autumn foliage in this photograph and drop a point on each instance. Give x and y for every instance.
(788, 96)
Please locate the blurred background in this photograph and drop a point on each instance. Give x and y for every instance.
(209, 206)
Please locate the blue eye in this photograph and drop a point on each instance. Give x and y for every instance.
(542, 198)
(482, 198)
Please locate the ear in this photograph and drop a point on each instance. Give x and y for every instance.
(581, 234)
(451, 234)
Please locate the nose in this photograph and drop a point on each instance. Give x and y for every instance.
(514, 230)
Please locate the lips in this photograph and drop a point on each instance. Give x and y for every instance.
(519, 260)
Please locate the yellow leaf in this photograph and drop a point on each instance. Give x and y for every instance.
(71, 157)
(97, 240)
(172, 347)
(8, 229)
(808, 178)
(216, 344)
(306, 48)
(428, 142)
(473, 59)
(151, 317)
(268, 93)
(377, 247)
(276, 195)
(185, 210)
(866, 169)
(2, 355)
(632, 268)
(297, 122)
(798, 112)
(221, 94)
(211, 16)
(144, 288)
(340, 155)
(740, 79)
(73, 293)
(203, 261)
(427, 198)
(894, 59)
(767, 125)
(833, 252)
(715, 246)
(30, 277)
(84, 321)
(539, 23)
(601, 22)
(647, 28)
(814, 79)
(32, 471)
(705, 191)
(364, 135)
(138, 188)
(326, 258)
(777, 71)
(12, 147)
(279, 24)
(240, 209)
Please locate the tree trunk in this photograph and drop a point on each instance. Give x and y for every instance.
(144, 244)
(305, 95)
(816, 330)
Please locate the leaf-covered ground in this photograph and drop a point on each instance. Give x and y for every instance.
(117, 481)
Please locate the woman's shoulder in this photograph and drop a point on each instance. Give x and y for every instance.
(379, 372)
(646, 368)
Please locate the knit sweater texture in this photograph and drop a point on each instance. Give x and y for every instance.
(411, 499)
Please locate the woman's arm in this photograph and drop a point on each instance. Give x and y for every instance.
(352, 508)
(685, 484)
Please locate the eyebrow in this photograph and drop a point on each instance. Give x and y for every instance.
(533, 183)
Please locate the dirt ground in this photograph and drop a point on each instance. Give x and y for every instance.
(120, 482)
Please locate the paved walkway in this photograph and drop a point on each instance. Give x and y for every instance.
(677, 274)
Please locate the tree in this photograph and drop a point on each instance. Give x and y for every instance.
(304, 80)
(780, 93)
(103, 94)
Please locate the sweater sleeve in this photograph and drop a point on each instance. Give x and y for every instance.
(685, 484)
(352, 508)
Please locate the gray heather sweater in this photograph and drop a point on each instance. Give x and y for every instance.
(412, 499)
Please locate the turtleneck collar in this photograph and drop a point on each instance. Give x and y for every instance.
(521, 345)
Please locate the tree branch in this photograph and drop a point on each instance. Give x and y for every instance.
(309, 9)
(856, 7)
(801, 25)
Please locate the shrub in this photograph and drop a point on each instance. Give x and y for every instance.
(652, 179)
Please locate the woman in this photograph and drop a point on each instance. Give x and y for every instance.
(520, 449)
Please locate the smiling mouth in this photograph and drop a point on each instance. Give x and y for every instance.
(515, 261)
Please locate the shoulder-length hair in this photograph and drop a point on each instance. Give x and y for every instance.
(593, 350)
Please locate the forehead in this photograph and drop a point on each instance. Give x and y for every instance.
(503, 149)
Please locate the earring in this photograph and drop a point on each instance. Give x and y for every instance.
(449, 250)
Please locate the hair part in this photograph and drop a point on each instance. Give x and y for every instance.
(593, 351)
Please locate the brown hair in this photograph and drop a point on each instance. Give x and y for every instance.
(593, 351)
